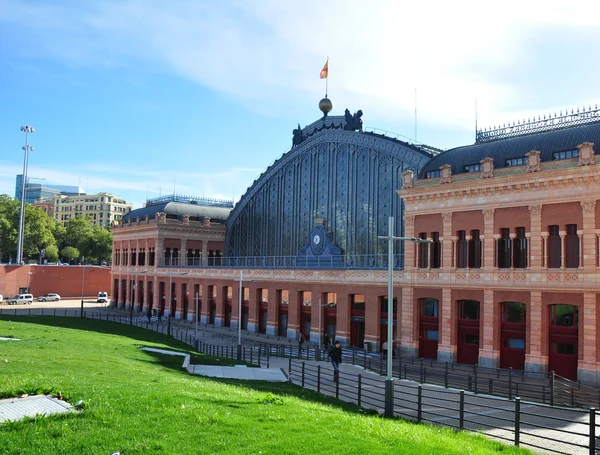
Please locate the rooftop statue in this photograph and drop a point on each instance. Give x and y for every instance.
(298, 137)
(353, 122)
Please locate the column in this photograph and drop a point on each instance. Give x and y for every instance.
(588, 249)
(205, 311)
(204, 253)
(544, 250)
(219, 305)
(127, 292)
(489, 354)
(588, 367)
(315, 308)
(274, 296)
(447, 328)
(373, 317)
(409, 249)
(191, 302)
(155, 297)
(159, 257)
(343, 321)
(536, 357)
(295, 300)
(183, 254)
(253, 309)
(563, 248)
(409, 343)
(488, 241)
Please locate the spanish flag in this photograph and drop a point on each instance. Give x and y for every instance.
(325, 70)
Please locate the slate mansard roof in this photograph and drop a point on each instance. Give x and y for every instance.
(178, 209)
(501, 150)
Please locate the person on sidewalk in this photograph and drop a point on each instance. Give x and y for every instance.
(384, 350)
(326, 343)
(300, 341)
(335, 354)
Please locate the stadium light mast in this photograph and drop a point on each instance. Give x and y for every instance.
(27, 148)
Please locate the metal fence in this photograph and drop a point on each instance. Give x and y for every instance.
(543, 427)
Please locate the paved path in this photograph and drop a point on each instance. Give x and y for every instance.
(240, 372)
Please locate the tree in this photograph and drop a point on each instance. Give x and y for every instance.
(69, 253)
(78, 233)
(51, 253)
(37, 229)
(99, 245)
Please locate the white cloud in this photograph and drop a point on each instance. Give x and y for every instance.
(265, 51)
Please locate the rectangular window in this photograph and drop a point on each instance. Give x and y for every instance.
(433, 174)
(520, 249)
(503, 249)
(468, 309)
(566, 155)
(461, 250)
(564, 348)
(471, 339)
(513, 312)
(554, 247)
(432, 335)
(512, 162)
(572, 247)
(429, 308)
(514, 343)
(475, 250)
(423, 252)
(472, 168)
(436, 251)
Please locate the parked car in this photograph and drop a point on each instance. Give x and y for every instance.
(49, 298)
(102, 297)
(0, 298)
(21, 298)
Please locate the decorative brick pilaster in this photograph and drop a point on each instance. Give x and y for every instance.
(588, 366)
(409, 344)
(409, 249)
(342, 325)
(447, 242)
(447, 327)
(489, 354)
(536, 357)
(488, 240)
(588, 252)
(535, 242)
(274, 297)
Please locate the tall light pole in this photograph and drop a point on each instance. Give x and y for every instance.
(27, 148)
(389, 381)
(241, 291)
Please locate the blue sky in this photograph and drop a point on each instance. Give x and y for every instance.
(137, 97)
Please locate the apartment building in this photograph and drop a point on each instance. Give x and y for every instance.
(102, 208)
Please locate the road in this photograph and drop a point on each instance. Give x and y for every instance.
(88, 302)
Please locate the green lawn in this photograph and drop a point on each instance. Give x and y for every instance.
(141, 403)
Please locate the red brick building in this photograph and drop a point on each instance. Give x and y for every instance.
(509, 280)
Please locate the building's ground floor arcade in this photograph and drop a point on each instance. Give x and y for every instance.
(524, 330)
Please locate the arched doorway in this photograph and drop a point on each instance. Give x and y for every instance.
(428, 328)
(468, 332)
(512, 335)
(563, 340)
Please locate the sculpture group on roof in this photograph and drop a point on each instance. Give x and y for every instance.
(297, 137)
(353, 122)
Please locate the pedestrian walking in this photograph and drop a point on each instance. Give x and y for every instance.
(300, 341)
(335, 354)
(326, 343)
(384, 350)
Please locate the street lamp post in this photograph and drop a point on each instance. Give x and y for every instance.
(27, 148)
(389, 381)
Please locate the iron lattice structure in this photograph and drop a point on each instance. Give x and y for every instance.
(533, 126)
(348, 178)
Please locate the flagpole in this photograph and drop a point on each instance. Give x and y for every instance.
(327, 78)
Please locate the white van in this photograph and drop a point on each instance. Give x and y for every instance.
(102, 297)
(21, 298)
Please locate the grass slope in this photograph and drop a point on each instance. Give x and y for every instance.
(142, 403)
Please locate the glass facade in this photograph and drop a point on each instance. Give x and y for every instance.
(348, 178)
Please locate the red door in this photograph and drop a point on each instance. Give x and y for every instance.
(262, 318)
(228, 313)
(283, 318)
(563, 339)
(512, 336)
(468, 332)
(428, 329)
(357, 334)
